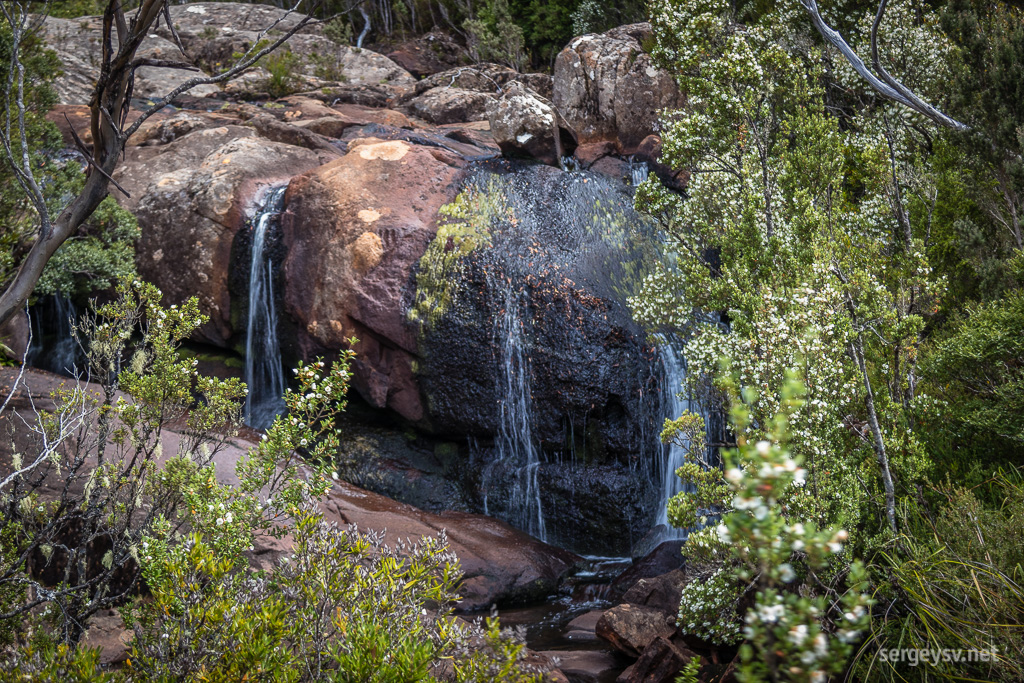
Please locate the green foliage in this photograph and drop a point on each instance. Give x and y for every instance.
(342, 606)
(464, 226)
(96, 257)
(41, 657)
(827, 233)
(70, 9)
(591, 16)
(17, 216)
(707, 608)
(689, 672)
(805, 605)
(102, 251)
(978, 371)
(790, 230)
(962, 578)
(339, 30)
(493, 36)
(284, 66)
(100, 450)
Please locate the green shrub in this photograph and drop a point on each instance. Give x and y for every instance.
(284, 66)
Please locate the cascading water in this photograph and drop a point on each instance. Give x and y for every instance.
(54, 346)
(515, 442)
(264, 375)
(675, 374)
(638, 171)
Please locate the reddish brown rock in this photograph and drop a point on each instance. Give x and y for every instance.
(14, 335)
(365, 115)
(108, 633)
(191, 197)
(589, 153)
(500, 564)
(631, 628)
(608, 88)
(660, 592)
(661, 662)
(585, 666)
(664, 558)
(355, 230)
(428, 54)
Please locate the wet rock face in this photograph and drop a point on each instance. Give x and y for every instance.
(561, 253)
(553, 246)
(608, 89)
(596, 509)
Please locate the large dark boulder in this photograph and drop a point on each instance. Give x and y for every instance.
(608, 89)
(630, 629)
(661, 662)
(537, 297)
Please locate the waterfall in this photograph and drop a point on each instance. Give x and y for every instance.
(516, 446)
(638, 171)
(263, 369)
(674, 365)
(54, 347)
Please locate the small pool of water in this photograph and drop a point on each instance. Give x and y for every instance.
(587, 590)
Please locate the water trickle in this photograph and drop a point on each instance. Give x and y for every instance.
(263, 369)
(515, 442)
(570, 164)
(675, 404)
(54, 347)
(638, 171)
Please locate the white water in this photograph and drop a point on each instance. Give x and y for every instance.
(515, 441)
(264, 375)
(54, 324)
(674, 405)
(638, 171)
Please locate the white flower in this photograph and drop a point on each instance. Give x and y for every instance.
(798, 634)
(786, 572)
(723, 533)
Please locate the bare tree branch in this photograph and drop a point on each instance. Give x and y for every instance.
(882, 82)
(109, 108)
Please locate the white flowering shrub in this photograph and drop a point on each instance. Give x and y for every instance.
(707, 608)
(802, 235)
(793, 630)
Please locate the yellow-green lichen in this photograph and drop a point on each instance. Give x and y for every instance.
(464, 225)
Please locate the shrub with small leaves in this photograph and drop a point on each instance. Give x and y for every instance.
(807, 603)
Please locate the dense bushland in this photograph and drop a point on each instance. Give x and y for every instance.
(833, 238)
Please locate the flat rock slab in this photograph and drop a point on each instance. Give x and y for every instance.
(583, 628)
(586, 666)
